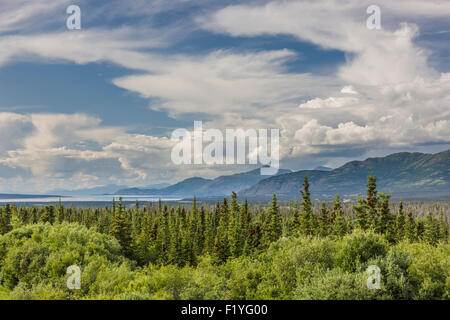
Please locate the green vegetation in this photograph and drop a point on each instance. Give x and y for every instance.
(226, 251)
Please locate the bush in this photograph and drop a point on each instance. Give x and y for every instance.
(335, 284)
(429, 270)
(358, 248)
(395, 281)
(291, 260)
(35, 258)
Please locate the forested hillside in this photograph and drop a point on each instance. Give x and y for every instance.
(228, 251)
(406, 175)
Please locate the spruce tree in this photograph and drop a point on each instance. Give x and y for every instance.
(400, 222)
(420, 229)
(5, 220)
(120, 229)
(275, 225)
(222, 245)
(339, 225)
(324, 228)
(361, 210)
(295, 220)
(410, 227)
(60, 212)
(431, 232)
(443, 227)
(306, 213)
(254, 238)
(385, 222)
(175, 255)
(209, 232)
(235, 227)
(48, 215)
(144, 241)
(372, 200)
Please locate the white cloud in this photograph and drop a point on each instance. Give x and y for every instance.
(396, 99)
(222, 81)
(385, 96)
(348, 89)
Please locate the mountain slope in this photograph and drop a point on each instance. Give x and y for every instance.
(405, 175)
(201, 187)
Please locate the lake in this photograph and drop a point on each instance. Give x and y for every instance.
(87, 200)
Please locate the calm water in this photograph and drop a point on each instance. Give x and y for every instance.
(93, 200)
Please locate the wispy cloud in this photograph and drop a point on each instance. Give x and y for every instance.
(385, 96)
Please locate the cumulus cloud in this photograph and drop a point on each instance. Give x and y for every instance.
(391, 97)
(77, 148)
(385, 96)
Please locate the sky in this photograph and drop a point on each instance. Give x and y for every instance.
(97, 106)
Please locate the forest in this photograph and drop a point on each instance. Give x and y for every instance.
(230, 250)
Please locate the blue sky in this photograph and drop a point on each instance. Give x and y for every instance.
(90, 107)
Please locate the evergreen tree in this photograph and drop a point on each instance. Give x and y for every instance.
(222, 245)
(385, 222)
(60, 212)
(400, 222)
(372, 203)
(306, 213)
(410, 227)
(5, 220)
(48, 215)
(372, 199)
(254, 238)
(175, 255)
(420, 229)
(443, 227)
(275, 224)
(295, 220)
(339, 225)
(361, 213)
(144, 241)
(324, 229)
(431, 232)
(209, 232)
(120, 229)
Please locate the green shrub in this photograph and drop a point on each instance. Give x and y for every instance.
(35, 258)
(335, 284)
(429, 270)
(358, 248)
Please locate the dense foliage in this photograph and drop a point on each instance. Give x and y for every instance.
(226, 251)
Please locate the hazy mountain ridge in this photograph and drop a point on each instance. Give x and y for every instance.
(405, 175)
(201, 187)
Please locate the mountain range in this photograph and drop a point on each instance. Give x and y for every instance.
(201, 187)
(101, 190)
(405, 175)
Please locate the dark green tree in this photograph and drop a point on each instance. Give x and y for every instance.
(5, 219)
(410, 227)
(339, 224)
(222, 244)
(48, 215)
(324, 225)
(120, 229)
(400, 222)
(306, 212)
(361, 210)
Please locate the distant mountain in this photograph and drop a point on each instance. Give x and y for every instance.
(323, 168)
(157, 186)
(405, 175)
(201, 187)
(108, 189)
(26, 196)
